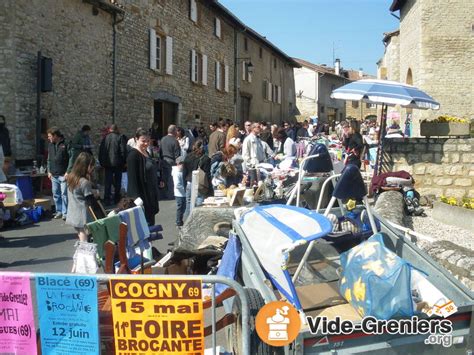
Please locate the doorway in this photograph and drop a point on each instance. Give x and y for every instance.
(244, 108)
(165, 113)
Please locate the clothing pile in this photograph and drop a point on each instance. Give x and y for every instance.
(403, 182)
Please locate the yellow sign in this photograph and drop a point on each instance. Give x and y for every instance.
(157, 316)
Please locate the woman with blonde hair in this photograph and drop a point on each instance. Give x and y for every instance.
(233, 133)
(80, 193)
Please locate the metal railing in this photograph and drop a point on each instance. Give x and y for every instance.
(209, 279)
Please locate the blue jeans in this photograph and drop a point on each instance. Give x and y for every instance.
(59, 188)
(180, 209)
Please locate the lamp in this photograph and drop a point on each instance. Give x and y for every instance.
(250, 67)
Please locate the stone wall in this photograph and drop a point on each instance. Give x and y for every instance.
(440, 166)
(80, 45)
(361, 111)
(138, 85)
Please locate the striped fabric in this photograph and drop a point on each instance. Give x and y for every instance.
(138, 231)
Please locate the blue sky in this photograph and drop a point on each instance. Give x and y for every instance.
(310, 29)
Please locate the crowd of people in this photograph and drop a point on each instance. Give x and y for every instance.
(161, 167)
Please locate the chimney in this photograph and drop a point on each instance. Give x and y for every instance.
(337, 66)
(361, 73)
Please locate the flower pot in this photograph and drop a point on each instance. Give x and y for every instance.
(453, 215)
(429, 129)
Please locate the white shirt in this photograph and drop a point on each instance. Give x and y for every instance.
(252, 151)
(289, 148)
(178, 181)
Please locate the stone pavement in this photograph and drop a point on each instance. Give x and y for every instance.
(48, 246)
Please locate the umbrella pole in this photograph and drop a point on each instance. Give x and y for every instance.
(383, 126)
(378, 160)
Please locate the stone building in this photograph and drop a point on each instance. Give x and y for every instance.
(266, 91)
(356, 109)
(433, 51)
(314, 84)
(79, 42)
(134, 63)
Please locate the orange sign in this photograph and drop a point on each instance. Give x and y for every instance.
(278, 323)
(157, 316)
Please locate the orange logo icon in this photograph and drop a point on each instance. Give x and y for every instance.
(278, 323)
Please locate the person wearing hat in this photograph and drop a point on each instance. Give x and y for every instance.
(179, 190)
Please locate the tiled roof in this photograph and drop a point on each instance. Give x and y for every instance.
(388, 35)
(397, 5)
(315, 67)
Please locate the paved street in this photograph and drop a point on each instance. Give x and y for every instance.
(49, 245)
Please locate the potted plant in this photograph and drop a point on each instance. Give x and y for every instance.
(445, 126)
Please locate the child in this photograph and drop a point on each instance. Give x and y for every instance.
(179, 190)
(80, 193)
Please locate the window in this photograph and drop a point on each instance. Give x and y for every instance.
(260, 53)
(369, 105)
(198, 67)
(271, 92)
(217, 28)
(193, 11)
(274, 63)
(246, 74)
(222, 77)
(355, 104)
(246, 44)
(266, 90)
(322, 109)
(161, 52)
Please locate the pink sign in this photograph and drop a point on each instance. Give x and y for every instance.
(17, 324)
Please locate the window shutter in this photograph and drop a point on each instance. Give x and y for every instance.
(152, 48)
(244, 67)
(204, 69)
(269, 91)
(218, 76)
(264, 89)
(226, 78)
(279, 94)
(249, 77)
(193, 65)
(169, 55)
(193, 10)
(218, 27)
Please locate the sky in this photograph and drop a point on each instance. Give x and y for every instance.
(320, 30)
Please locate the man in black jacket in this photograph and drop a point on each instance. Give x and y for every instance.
(112, 157)
(58, 159)
(169, 151)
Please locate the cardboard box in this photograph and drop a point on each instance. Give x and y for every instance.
(319, 296)
(345, 311)
(10, 200)
(44, 202)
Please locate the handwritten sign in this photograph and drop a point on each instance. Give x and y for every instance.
(17, 324)
(157, 316)
(68, 314)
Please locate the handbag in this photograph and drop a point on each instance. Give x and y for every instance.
(203, 187)
(85, 258)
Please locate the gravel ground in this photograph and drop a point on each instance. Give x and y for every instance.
(440, 231)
